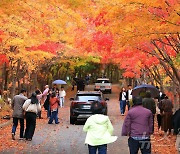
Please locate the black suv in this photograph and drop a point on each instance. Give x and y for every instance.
(80, 108)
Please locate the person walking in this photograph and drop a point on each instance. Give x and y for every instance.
(62, 95)
(166, 107)
(31, 107)
(176, 122)
(73, 83)
(45, 93)
(55, 88)
(158, 114)
(99, 130)
(47, 103)
(54, 104)
(149, 103)
(122, 99)
(18, 114)
(138, 126)
(39, 97)
(129, 96)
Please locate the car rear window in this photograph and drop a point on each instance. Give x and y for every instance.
(102, 81)
(88, 97)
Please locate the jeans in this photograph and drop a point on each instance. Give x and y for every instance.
(143, 145)
(53, 117)
(61, 101)
(15, 124)
(102, 149)
(49, 112)
(30, 125)
(122, 106)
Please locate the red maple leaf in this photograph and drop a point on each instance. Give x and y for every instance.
(48, 46)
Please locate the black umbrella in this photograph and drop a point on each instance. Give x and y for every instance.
(145, 87)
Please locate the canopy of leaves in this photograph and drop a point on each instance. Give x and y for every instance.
(134, 34)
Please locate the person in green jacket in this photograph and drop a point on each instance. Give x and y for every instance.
(99, 130)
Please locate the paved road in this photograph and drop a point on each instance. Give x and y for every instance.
(69, 139)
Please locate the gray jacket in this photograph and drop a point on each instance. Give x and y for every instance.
(17, 104)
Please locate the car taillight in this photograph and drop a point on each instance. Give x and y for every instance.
(97, 87)
(108, 87)
(73, 104)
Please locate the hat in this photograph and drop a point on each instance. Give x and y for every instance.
(46, 86)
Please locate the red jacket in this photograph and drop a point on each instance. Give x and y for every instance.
(54, 103)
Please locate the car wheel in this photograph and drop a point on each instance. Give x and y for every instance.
(72, 120)
(110, 91)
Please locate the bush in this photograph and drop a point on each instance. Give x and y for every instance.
(4, 106)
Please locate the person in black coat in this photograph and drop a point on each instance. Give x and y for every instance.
(47, 104)
(176, 122)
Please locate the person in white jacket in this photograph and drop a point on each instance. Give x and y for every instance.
(99, 130)
(31, 108)
(62, 95)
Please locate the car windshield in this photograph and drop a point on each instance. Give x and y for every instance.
(102, 81)
(88, 97)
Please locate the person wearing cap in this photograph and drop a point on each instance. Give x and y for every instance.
(138, 126)
(45, 93)
(31, 107)
(99, 130)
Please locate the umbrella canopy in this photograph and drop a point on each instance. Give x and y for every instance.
(59, 82)
(145, 87)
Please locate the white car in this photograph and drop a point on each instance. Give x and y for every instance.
(103, 84)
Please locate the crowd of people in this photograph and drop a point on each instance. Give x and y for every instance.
(139, 122)
(30, 108)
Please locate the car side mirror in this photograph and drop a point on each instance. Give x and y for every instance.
(106, 99)
(71, 99)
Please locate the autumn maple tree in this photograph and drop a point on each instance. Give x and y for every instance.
(140, 37)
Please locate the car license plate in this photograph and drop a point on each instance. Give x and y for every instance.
(86, 106)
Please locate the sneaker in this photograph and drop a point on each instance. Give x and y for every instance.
(57, 123)
(13, 136)
(21, 138)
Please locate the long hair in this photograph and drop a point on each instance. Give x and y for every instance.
(34, 99)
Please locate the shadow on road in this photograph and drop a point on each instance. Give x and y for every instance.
(80, 122)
